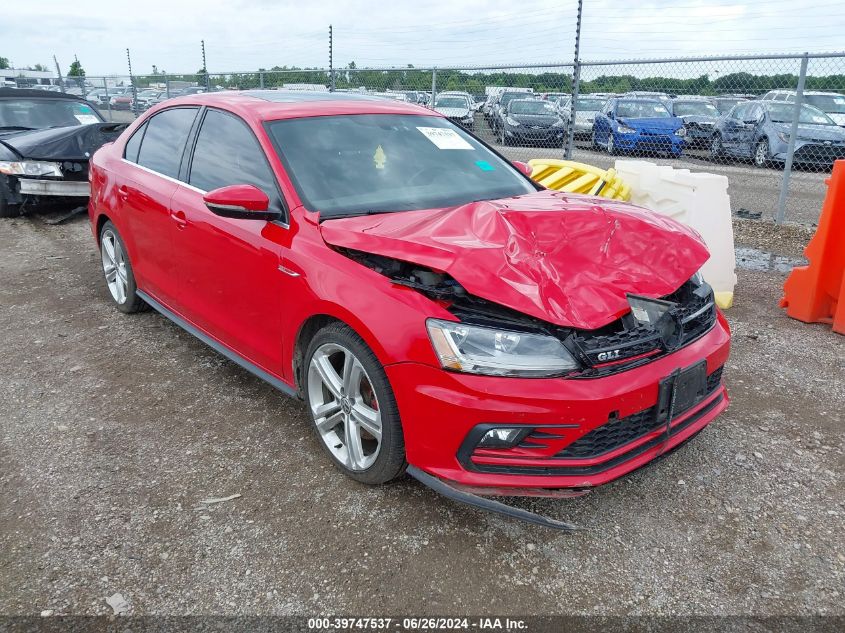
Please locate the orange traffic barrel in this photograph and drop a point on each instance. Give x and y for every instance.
(816, 293)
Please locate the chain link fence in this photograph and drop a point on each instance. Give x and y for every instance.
(772, 124)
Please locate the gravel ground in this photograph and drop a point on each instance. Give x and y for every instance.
(114, 428)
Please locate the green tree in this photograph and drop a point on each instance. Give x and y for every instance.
(76, 69)
(5, 63)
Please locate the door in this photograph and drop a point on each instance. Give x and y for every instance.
(231, 285)
(746, 137)
(732, 129)
(150, 182)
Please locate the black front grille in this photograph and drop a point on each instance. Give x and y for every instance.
(625, 344)
(622, 431)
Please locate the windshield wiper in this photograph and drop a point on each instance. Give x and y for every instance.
(353, 215)
(16, 127)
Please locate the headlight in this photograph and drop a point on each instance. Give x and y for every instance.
(624, 129)
(681, 131)
(511, 121)
(783, 136)
(481, 350)
(29, 168)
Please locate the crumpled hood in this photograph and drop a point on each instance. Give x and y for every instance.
(566, 259)
(75, 142)
(698, 118)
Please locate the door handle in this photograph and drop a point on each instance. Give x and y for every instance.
(180, 219)
(123, 192)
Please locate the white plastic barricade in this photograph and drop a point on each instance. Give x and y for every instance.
(697, 199)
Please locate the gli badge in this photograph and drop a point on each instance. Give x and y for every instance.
(611, 355)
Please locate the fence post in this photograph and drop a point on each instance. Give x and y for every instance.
(261, 80)
(793, 133)
(108, 98)
(576, 83)
(167, 86)
(433, 86)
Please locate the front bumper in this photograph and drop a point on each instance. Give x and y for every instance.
(658, 143)
(810, 152)
(70, 188)
(524, 134)
(441, 409)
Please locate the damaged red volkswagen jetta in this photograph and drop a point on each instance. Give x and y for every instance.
(436, 309)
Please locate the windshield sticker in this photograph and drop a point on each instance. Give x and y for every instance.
(483, 165)
(444, 138)
(85, 119)
(379, 158)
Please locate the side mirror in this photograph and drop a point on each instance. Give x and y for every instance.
(525, 168)
(241, 202)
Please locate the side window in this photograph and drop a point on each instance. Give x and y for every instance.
(227, 153)
(164, 140)
(130, 152)
(768, 96)
(739, 112)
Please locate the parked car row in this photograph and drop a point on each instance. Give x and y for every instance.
(731, 126)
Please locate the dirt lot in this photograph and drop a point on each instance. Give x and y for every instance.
(115, 427)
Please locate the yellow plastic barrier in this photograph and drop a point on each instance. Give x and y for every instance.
(572, 177)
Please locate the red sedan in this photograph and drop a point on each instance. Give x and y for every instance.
(435, 308)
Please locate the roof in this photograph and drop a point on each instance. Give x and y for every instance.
(28, 93)
(268, 105)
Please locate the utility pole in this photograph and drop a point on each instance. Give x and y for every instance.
(204, 67)
(576, 82)
(331, 60)
(59, 71)
(132, 82)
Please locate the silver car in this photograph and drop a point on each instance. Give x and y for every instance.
(759, 130)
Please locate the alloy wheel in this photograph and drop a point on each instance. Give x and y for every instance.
(114, 266)
(761, 154)
(344, 406)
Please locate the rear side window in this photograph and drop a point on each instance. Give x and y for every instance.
(130, 152)
(227, 153)
(164, 140)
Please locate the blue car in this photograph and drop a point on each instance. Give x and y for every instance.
(638, 125)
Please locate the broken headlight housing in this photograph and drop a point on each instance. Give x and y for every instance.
(30, 168)
(493, 352)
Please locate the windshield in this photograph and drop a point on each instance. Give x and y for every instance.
(783, 113)
(832, 104)
(641, 110)
(389, 162)
(694, 108)
(726, 104)
(590, 105)
(509, 96)
(531, 107)
(451, 102)
(43, 113)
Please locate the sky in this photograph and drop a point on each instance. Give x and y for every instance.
(242, 35)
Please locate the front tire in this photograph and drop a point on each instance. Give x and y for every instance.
(120, 280)
(761, 153)
(717, 151)
(352, 406)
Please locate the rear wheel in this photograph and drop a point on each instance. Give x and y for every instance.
(120, 280)
(353, 407)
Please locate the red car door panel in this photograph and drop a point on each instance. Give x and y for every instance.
(231, 286)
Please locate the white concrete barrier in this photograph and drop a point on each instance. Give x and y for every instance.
(699, 200)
